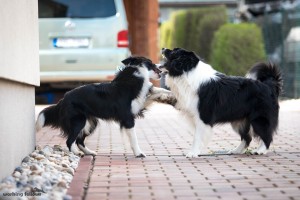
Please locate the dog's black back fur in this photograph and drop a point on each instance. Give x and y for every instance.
(227, 93)
(108, 101)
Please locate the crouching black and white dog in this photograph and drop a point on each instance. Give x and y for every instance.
(209, 97)
(121, 100)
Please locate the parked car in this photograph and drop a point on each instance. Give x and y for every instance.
(81, 41)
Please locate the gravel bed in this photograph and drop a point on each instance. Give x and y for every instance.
(45, 174)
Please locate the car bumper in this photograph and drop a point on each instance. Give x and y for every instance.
(82, 65)
(78, 76)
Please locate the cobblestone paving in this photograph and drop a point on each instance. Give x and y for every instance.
(166, 174)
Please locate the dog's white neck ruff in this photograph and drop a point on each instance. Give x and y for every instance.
(186, 87)
(138, 103)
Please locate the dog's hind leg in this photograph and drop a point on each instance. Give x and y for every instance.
(88, 129)
(262, 128)
(77, 123)
(242, 127)
(82, 147)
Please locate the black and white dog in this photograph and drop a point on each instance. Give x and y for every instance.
(121, 100)
(209, 97)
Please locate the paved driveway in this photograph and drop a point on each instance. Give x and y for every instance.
(166, 174)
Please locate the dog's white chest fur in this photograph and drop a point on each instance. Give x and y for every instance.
(138, 103)
(184, 92)
(186, 87)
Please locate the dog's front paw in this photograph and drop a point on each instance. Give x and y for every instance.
(167, 98)
(78, 153)
(236, 151)
(86, 150)
(140, 155)
(92, 153)
(259, 152)
(192, 154)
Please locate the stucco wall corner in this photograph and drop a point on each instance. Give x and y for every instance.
(19, 46)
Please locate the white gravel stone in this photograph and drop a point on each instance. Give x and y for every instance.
(45, 174)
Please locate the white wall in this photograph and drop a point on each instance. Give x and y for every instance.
(19, 41)
(16, 124)
(19, 73)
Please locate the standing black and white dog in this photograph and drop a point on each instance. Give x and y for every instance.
(121, 100)
(209, 97)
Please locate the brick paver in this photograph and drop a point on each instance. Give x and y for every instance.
(166, 174)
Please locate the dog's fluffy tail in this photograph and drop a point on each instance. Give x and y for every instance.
(48, 117)
(269, 74)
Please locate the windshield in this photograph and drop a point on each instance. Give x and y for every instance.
(76, 8)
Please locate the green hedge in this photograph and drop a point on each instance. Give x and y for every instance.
(165, 32)
(230, 48)
(193, 29)
(236, 47)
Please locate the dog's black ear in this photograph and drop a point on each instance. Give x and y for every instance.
(127, 61)
(180, 65)
(149, 65)
(177, 66)
(194, 56)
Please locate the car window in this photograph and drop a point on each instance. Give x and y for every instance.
(76, 8)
